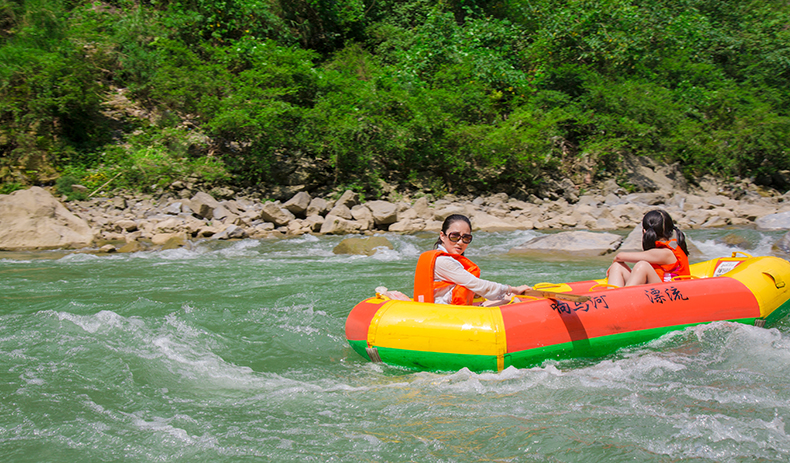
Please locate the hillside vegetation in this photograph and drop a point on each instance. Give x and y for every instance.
(375, 95)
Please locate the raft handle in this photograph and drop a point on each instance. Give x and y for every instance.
(602, 286)
(735, 254)
(685, 277)
(778, 281)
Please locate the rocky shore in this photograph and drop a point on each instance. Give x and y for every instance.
(34, 219)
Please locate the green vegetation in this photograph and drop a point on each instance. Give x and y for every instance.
(447, 96)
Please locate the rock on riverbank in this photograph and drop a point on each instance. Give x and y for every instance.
(134, 223)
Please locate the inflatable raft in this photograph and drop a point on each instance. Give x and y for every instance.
(529, 330)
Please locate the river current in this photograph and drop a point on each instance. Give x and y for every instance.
(235, 351)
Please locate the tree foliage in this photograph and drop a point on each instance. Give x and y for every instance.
(455, 95)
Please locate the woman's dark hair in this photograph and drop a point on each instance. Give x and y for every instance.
(448, 222)
(658, 225)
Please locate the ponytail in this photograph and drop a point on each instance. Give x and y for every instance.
(681, 241)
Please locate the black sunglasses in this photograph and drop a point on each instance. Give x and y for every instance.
(455, 236)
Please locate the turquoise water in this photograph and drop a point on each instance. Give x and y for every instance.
(236, 352)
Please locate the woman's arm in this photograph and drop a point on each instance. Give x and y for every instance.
(660, 256)
(449, 269)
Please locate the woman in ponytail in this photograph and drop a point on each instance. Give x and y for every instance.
(664, 254)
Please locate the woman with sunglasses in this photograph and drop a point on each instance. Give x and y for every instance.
(446, 276)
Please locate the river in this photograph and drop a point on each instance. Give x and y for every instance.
(235, 351)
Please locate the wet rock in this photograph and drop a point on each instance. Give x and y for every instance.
(132, 246)
(782, 247)
(736, 240)
(107, 249)
(362, 246)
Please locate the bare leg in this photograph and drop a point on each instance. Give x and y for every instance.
(618, 274)
(642, 273)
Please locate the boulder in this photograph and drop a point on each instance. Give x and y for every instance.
(314, 222)
(649, 176)
(334, 225)
(736, 240)
(132, 246)
(298, 204)
(107, 249)
(341, 210)
(348, 199)
(571, 244)
(203, 204)
(384, 213)
(126, 225)
(422, 208)
(632, 242)
(780, 221)
(444, 212)
(173, 208)
(317, 206)
(363, 246)
(408, 225)
(485, 222)
(363, 215)
(34, 219)
(782, 247)
(275, 214)
(231, 232)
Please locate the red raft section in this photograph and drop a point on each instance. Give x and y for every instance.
(639, 309)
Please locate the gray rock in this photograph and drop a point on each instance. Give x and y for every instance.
(780, 221)
(441, 214)
(34, 219)
(231, 232)
(334, 225)
(298, 204)
(275, 214)
(317, 206)
(384, 213)
(204, 204)
(363, 215)
(341, 210)
(571, 244)
(173, 208)
(220, 212)
(126, 225)
(348, 199)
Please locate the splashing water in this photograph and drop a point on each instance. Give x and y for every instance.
(236, 351)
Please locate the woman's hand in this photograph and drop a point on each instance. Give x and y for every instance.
(517, 290)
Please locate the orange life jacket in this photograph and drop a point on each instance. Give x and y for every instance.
(680, 267)
(425, 284)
